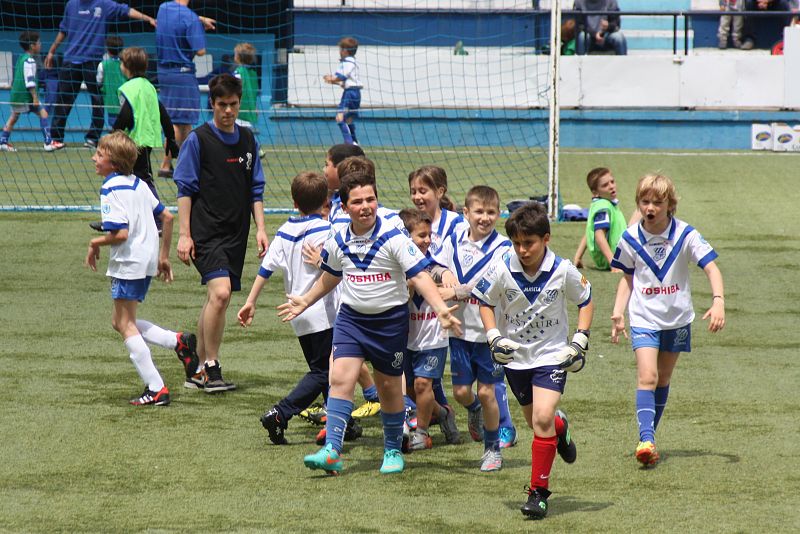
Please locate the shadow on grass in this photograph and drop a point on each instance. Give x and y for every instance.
(729, 458)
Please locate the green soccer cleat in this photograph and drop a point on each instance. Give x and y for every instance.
(368, 409)
(393, 462)
(327, 459)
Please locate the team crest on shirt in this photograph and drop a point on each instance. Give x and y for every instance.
(398, 360)
(106, 208)
(549, 296)
(584, 281)
(247, 160)
(659, 252)
(506, 255)
(412, 249)
(511, 294)
(468, 259)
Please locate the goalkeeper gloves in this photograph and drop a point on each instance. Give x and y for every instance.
(572, 358)
(501, 347)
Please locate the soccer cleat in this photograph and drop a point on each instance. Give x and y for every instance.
(447, 424)
(196, 381)
(420, 440)
(271, 421)
(186, 349)
(214, 381)
(508, 437)
(90, 143)
(406, 445)
(7, 147)
(646, 453)
(321, 435)
(165, 173)
(327, 459)
(368, 409)
(151, 398)
(411, 418)
(351, 433)
(566, 447)
(393, 462)
(314, 414)
(536, 507)
(492, 460)
(49, 147)
(475, 424)
(55, 145)
(96, 225)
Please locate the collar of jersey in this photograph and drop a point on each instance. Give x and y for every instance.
(441, 231)
(669, 233)
(485, 248)
(113, 174)
(540, 279)
(613, 201)
(373, 249)
(548, 264)
(638, 247)
(304, 218)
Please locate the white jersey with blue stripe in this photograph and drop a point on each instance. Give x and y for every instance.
(424, 329)
(285, 254)
(348, 73)
(340, 219)
(127, 203)
(373, 266)
(447, 223)
(469, 260)
(661, 298)
(531, 310)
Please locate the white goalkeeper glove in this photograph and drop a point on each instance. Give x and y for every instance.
(501, 347)
(572, 358)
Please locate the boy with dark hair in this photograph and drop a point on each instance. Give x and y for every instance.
(110, 77)
(346, 76)
(220, 184)
(25, 93)
(523, 310)
(314, 329)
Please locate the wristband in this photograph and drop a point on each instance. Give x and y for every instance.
(717, 297)
(584, 332)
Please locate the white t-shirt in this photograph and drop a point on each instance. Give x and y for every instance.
(424, 329)
(469, 260)
(447, 223)
(373, 266)
(348, 69)
(532, 310)
(285, 254)
(127, 202)
(661, 298)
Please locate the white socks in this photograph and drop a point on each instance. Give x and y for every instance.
(156, 335)
(140, 356)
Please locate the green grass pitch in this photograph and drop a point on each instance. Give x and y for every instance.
(78, 458)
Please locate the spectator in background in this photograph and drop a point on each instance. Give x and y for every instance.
(765, 5)
(244, 55)
(729, 24)
(84, 27)
(110, 77)
(180, 36)
(568, 40)
(599, 32)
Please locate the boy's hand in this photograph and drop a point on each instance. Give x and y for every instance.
(501, 347)
(448, 321)
(449, 279)
(447, 293)
(92, 255)
(717, 314)
(294, 306)
(573, 356)
(617, 326)
(246, 314)
(312, 255)
(578, 263)
(165, 270)
(330, 78)
(185, 249)
(263, 243)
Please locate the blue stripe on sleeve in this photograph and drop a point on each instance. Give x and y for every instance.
(337, 274)
(708, 258)
(264, 273)
(158, 209)
(107, 226)
(587, 301)
(418, 268)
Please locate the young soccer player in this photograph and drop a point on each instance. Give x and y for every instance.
(25, 93)
(468, 253)
(128, 206)
(372, 259)
(314, 328)
(523, 308)
(110, 77)
(605, 223)
(427, 348)
(244, 55)
(346, 76)
(654, 256)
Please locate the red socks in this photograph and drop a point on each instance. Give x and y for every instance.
(559, 425)
(543, 452)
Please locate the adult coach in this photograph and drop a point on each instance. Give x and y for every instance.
(84, 27)
(220, 182)
(180, 35)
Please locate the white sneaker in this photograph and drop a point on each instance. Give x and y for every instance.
(492, 460)
(49, 147)
(7, 147)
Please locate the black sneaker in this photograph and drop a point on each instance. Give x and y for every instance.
(96, 225)
(90, 143)
(271, 421)
(186, 349)
(214, 381)
(353, 430)
(536, 507)
(566, 447)
(151, 398)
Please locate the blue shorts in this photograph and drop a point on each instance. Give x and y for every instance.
(379, 338)
(470, 361)
(428, 363)
(521, 381)
(130, 289)
(236, 282)
(677, 340)
(180, 94)
(350, 102)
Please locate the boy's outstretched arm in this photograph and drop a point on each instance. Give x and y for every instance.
(297, 304)
(601, 240)
(424, 285)
(248, 311)
(624, 289)
(717, 310)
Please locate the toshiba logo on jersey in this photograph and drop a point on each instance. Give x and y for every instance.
(369, 278)
(665, 290)
(422, 316)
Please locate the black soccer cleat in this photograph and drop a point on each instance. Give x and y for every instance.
(272, 422)
(566, 447)
(96, 225)
(353, 430)
(536, 506)
(214, 381)
(186, 349)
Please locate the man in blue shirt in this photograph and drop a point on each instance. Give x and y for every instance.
(180, 35)
(84, 27)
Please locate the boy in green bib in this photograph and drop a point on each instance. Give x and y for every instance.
(605, 223)
(244, 55)
(110, 77)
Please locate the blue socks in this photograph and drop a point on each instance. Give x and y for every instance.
(392, 429)
(371, 393)
(475, 404)
(45, 125)
(339, 411)
(438, 392)
(348, 137)
(661, 401)
(352, 128)
(4, 137)
(501, 394)
(491, 438)
(645, 414)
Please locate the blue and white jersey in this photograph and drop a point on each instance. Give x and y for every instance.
(127, 202)
(469, 260)
(531, 310)
(424, 330)
(447, 223)
(661, 298)
(285, 254)
(373, 266)
(348, 73)
(340, 219)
